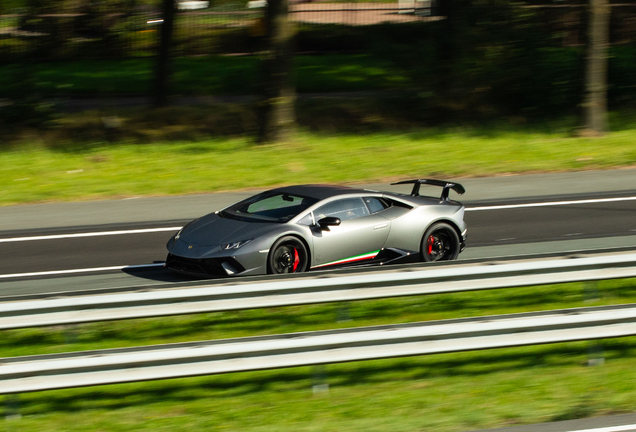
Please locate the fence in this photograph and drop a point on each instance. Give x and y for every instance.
(236, 28)
(225, 30)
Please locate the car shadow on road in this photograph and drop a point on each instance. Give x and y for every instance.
(159, 274)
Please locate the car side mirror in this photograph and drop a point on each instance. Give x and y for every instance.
(328, 221)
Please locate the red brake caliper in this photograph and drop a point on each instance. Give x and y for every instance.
(296, 260)
(430, 242)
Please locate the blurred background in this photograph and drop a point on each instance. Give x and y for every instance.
(427, 62)
(81, 80)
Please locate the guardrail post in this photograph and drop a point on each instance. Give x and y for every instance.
(595, 355)
(70, 334)
(12, 411)
(343, 312)
(590, 290)
(320, 384)
(594, 349)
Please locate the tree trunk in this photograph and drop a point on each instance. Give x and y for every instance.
(596, 71)
(163, 59)
(448, 53)
(276, 109)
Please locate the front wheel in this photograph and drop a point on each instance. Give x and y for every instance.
(287, 255)
(440, 243)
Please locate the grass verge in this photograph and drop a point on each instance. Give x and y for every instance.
(158, 155)
(450, 392)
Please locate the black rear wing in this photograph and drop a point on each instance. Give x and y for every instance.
(441, 183)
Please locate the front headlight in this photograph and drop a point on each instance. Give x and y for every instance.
(235, 245)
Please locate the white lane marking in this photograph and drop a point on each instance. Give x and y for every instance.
(608, 429)
(88, 234)
(555, 203)
(84, 270)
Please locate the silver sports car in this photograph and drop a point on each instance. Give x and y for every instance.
(311, 227)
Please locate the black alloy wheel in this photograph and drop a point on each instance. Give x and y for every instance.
(440, 243)
(287, 255)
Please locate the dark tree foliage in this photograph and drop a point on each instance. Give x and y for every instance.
(448, 54)
(498, 57)
(486, 59)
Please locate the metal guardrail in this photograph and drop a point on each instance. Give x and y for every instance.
(47, 372)
(319, 288)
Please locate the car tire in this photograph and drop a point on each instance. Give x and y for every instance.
(287, 255)
(440, 243)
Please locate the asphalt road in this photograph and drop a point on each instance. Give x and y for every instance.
(488, 231)
(552, 224)
(616, 423)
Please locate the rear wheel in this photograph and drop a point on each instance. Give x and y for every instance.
(440, 243)
(287, 255)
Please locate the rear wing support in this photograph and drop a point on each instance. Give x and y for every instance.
(441, 183)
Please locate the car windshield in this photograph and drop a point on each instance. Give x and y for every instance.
(269, 206)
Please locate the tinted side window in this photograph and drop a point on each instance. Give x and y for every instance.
(375, 204)
(348, 208)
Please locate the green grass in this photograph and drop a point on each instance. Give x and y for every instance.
(77, 161)
(457, 392)
(450, 392)
(213, 75)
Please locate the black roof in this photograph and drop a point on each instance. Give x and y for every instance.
(319, 191)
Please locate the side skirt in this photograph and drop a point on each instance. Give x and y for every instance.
(381, 257)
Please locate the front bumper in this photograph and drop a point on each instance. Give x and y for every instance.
(206, 267)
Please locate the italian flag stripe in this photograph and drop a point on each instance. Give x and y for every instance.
(362, 257)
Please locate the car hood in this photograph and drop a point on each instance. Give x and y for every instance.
(214, 230)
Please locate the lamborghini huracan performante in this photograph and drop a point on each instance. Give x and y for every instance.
(313, 227)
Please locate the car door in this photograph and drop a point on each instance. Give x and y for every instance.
(359, 236)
